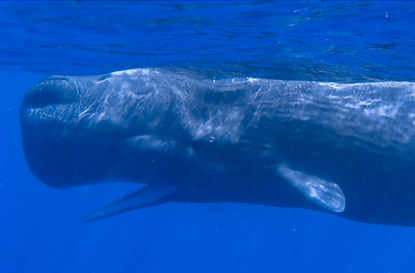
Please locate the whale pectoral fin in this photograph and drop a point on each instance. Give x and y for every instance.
(145, 197)
(324, 193)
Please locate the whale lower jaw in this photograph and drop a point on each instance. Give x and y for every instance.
(325, 194)
(141, 198)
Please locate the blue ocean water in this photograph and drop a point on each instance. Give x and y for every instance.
(322, 41)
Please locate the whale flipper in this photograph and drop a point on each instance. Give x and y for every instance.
(324, 193)
(141, 198)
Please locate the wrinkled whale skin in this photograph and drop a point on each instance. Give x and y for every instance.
(244, 140)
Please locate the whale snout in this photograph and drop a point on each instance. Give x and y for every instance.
(51, 91)
(43, 113)
(49, 101)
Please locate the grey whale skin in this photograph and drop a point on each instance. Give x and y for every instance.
(345, 149)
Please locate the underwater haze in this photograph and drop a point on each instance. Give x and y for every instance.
(344, 42)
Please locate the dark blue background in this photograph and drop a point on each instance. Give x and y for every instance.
(40, 230)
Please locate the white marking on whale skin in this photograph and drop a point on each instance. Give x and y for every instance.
(132, 72)
(324, 193)
(87, 111)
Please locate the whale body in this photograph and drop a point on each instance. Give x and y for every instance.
(345, 149)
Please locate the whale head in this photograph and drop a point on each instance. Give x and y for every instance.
(52, 140)
(76, 130)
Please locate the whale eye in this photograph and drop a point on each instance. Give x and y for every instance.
(50, 92)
